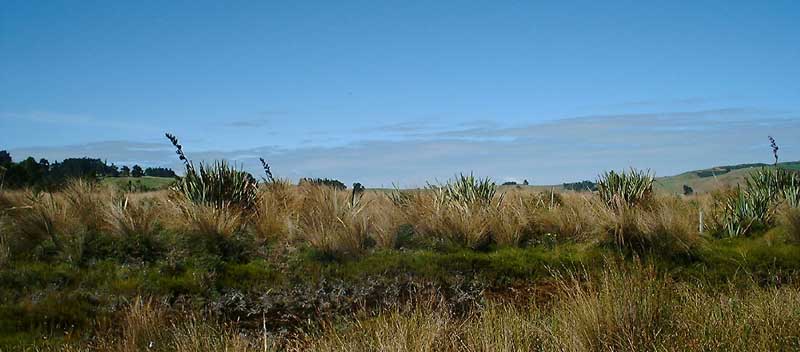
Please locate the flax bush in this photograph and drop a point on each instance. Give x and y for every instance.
(218, 184)
(755, 205)
(625, 189)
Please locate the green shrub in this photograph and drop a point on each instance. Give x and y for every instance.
(625, 189)
(744, 211)
(772, 182)
(754, 206)
(467, 190)
(219, 185)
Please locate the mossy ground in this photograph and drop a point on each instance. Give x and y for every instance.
(50, 299)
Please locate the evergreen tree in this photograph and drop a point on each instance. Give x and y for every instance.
(137, 171)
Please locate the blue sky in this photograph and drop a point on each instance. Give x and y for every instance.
(383, 92)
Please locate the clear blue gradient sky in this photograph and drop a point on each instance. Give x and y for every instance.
(404, 91)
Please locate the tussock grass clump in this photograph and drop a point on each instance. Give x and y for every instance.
(504, 327)
(625, 189)
(275, 211)
(667, 226)
(754, 319)
(400, 329)
(670, 226)
(331, 222)
(386, 219)
(573, 218)
(462, 224)
(621, 310)
(208, 220)
(509, 224)
(458, 211)
(131, 216)
(143, 326)
(40, 218)
(790, 219)
(85, 201)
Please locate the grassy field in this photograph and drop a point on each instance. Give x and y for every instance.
(465, 266)
(701, 181)
(144, 183)
(704, 181)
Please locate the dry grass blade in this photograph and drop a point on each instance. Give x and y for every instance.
(331, 223)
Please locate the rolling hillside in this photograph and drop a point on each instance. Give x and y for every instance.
(709, 179)
(701, 181)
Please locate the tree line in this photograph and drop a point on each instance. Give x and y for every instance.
(43, 174)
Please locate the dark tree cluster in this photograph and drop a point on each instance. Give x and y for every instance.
(324, 182)
(582, 186)
(43, 174)
(514, 183)
(159, 172)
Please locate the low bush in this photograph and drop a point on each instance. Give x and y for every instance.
(219, 184)
(625, 189)
(753, 207)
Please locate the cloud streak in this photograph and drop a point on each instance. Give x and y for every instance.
(552, 152)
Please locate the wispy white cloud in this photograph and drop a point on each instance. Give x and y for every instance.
(552, 152)
(260, 122)
(53, 119)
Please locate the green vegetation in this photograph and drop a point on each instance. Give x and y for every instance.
(42, 175)
(225, 262)
(323, 182)
(625, 189)
(708, 180)
(218, 185)
(138, 184)
(755, 204)
(583, 186)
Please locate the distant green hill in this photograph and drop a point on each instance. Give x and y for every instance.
(706, 180)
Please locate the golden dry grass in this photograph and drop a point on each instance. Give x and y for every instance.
(326, 219)
(790, 219)
(621, 310)
(275, 218)
(330, 221)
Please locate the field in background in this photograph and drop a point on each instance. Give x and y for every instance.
(144, 183)
(701, 181)
(707, 180)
